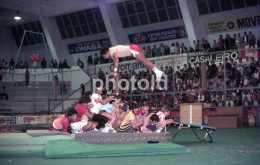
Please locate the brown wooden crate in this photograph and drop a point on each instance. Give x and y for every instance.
(237, 110)
(223, 121)
(197, 113)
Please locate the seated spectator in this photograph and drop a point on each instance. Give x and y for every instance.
(220, 102)
(229, 102)
(3, 93)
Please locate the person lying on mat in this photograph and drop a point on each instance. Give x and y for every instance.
(154, 124)
(83, 111)
(127, 122)
(61, 123)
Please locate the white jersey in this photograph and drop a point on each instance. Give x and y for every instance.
(95, 109)
(161, 115)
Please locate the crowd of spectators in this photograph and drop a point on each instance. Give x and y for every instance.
(188, 84)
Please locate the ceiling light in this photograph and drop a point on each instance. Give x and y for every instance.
(17, 16)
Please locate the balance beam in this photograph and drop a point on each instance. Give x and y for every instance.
(208, 130)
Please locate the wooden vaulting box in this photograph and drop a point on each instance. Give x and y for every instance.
(191, 113)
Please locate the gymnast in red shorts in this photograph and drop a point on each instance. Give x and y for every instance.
(133, 50)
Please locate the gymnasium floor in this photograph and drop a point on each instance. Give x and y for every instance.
(230, 146)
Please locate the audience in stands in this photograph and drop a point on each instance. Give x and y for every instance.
(3, 93)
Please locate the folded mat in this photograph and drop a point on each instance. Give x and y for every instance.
(35, 133)
(76, 149)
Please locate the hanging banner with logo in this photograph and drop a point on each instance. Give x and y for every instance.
(158, 35)
(213, 57)
(179, 60)
(232, 24)
(88, 46)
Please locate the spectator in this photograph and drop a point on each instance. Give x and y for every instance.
(27, 77)
(80, 64)
(161, 50)
(63, 89)
(177, 49)
(238, 41)
(3, 93)
(55, 64)
(96, 59)
(172, 48)
(90, 60)
(215, 46)
(148, 52)
(43, 63)
(82, 86)
(228, 42)
(183, 49)
(229, 102)
(101, 75)
(197, 46)
(154, 51)
(11, 63)
(251, 40)
(258, 40)
(65, 64)
(245, 40)
(60, 66)
(167, 50)
(220, 102)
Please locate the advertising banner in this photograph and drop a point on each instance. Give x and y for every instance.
(232, 24)
(158, 35)
(216, 57)
(88, 46)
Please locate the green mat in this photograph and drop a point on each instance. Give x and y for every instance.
(24, 139)
(77, 149)
(22, 151)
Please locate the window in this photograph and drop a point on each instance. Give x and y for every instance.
(141, 12)
(203, 7)
(213, 6)
(251, 3)
(238, 4)
(81, 23)
(30, 38)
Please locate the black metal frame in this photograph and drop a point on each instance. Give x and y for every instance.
(207, 134)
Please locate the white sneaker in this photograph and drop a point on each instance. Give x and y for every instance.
(159, 76)
(105, 130)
